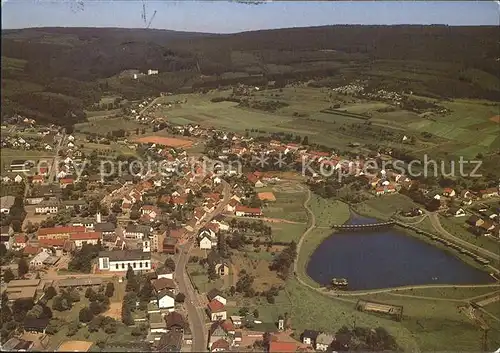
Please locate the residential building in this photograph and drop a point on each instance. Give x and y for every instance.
(120, 260)
(217, 295)
(85, 238)
(216, 310)
(323, 341)
(175, 321)
(170, 245)
(243, 211)
(166, 300)
(309, 337)
(205, 243)
(221, 265)
(35, 325)
(59, 232)
(165, 272)
(170, 342)
(137, 231)
(38, 260)
(105, 228)
(47, 207)
(6, 203)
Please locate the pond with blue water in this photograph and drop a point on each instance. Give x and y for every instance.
(384, 258)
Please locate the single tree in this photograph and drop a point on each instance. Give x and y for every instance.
(170, 264)
(8, 275)
(110, 289)
(50, 292)
(23, 267)
(180, 297)
(86, 315)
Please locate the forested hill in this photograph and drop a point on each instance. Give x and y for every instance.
(51, 73)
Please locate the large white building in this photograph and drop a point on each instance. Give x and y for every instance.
(119, 260)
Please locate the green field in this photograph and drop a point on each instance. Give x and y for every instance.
(8, 155)
(448, 292)
(465, 131)
(458, 228)
(288, 206)
(315, 311)
(383, 207)
(286, 232)
(328, 211)
(200, 279)
(102, 126)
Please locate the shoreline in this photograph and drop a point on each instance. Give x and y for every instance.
(326, 233)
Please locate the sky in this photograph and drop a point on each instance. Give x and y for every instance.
(230, 17)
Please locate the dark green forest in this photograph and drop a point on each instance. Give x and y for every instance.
(53, 74)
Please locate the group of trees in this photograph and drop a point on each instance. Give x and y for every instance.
(82, 259)
(282, 263)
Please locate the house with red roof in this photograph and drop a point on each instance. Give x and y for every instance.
(448, 192)
(216, 310)
(85, 238)
(65, 182)
(231, 206)
(30, 250)
(490, 192)
(254, 179)
(243, 211)
(282, 347)
(38, 179)
(19, 241)
(58, 232)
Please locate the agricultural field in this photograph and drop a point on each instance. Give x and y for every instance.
(316, 311)
(8, 155)
(437, 322)
(458, 228)
(200, 279)
(102, 126)
(165, 141)
(448, 292)
(383, 207)
(453, 134)
(288, 206)
(268, 313)
(328, 211)
(286, 232)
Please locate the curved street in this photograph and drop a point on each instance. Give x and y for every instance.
(196, 311)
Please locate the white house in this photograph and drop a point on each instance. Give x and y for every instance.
(217, 310)
(205, 243)
(6, 203)
(118, 261)
(38, 260)
(165, 273)
(152, 72)
(206, 232)
(136, 231)
(166, 300)
(217, 295)
(49, 207)
(85, 238)
(18, 178)
(323, 341)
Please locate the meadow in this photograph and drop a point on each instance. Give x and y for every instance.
(466, 130)
(288, 206)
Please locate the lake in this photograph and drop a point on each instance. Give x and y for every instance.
(387, 258)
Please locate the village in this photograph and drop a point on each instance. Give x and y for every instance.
(180, 254)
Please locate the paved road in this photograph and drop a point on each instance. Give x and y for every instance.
(437, 226)
(195, 310)
(55, 167)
